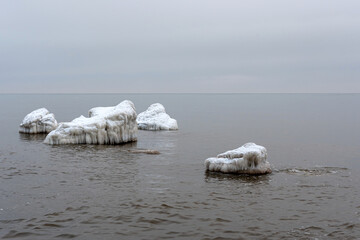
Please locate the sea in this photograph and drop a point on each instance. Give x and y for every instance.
(108, 192)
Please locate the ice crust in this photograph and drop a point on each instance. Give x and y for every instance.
(38, 121)
(106, 125)
(155, 118)
(247, 159)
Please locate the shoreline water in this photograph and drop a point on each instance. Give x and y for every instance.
(87, 191)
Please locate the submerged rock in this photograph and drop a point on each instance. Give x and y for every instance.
(110, 125)
(155, 118)
(247, 159)
(38, 121)
(145, 151)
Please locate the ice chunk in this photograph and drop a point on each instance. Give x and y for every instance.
(155, 118)
(38, 121)
(247, 159)
(100, 110)
(111, 126)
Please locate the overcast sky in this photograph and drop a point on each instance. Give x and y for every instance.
(112, 46)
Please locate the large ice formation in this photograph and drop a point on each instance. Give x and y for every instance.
(247, 159)
(109, 125)
(155, 118)
(96, 111)
(38, 121)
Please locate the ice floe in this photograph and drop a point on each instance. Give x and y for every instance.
(107, 125)
(38, 121)
(247, 159)
(155, 118)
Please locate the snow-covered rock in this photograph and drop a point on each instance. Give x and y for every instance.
(155, 118)
(38, 121)
(111, 126)
(247, 159)
(100, 111)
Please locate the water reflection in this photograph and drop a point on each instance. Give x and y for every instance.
(96, 152)
(158, 140)
(244, 178)
(39, 137)
(93, 147)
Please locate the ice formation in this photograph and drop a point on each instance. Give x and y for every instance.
(38, 121)
(155, 118)
(99, 111)
(247, 159)
(110, 125)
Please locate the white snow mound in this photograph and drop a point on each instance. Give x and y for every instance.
(96, 111)
(111, 126)
(155, 118)
(38, 121)
(247, 159)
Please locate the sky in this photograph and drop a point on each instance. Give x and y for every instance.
(179, 46)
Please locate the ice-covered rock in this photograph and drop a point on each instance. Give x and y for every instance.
(38, 121)
(155, 118)
(100, 111)
(247, 159)
(111, 126)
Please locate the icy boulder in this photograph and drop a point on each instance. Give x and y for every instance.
(247, 159)
(155, 118)
(96, 111)
(113, 126)
(38, 121)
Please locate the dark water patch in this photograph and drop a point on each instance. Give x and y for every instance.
(223, 238)
(52, 225)
(156, 221)
(16, 234)
(144, 151)
(12, 221)
(39, 137)
(21, 173)
(255, 179)
(54, 214)
(73, 209)
(222, 220)
(179, 216)
(344, 231)
(121, 219)
(66, 236)
(166, 206)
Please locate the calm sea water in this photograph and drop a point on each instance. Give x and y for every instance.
(106, 192)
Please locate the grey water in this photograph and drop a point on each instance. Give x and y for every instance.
(107, 192)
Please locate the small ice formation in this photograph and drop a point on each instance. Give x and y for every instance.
(247, 159)
(38, 121)
(155, 118)
(110, 125)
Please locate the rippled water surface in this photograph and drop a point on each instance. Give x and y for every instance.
(108, 192)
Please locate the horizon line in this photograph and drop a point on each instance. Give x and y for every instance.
(94, 93)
